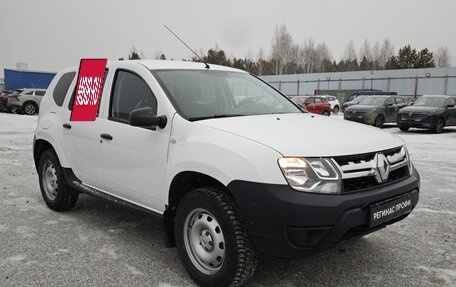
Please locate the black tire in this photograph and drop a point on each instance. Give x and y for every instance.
(336, 110)
(54, 189)
(439, 125)
(326, 113)
(30, 109)
(379, 121)
(404, 128)
(212, 241)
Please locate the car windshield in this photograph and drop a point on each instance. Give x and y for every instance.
(359, 99)
(430, 101)
(373, 101)
(199, 95)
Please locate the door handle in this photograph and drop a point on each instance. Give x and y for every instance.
(67, 126)
(106, 136)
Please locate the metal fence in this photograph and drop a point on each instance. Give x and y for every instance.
(411, 83)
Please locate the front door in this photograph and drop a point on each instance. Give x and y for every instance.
(133, 159)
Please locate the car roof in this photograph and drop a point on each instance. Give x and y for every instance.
(162, 65)
(440, 96)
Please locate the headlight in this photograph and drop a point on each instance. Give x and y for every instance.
(409, 162)
(311, 174)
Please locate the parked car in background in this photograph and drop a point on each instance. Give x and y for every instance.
(351, 96)
(432, 112)
(28, 101)
(313, 104)
(376, 110)
(353, 100)
(5, 95)
(334, 102)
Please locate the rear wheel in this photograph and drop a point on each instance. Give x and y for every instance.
(30, 108)
(54, 189)
(326, 113)
(404, 128)
(439, 125)
(379, 121)
(336, 110)
(211, 239)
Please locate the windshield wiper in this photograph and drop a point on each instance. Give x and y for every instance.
(214, 117)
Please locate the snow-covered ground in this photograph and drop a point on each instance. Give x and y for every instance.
(100, 244)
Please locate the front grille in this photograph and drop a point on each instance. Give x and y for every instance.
(366, 182)
(365, 171)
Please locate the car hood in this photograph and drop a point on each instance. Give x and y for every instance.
(306, 134)
(415, 109)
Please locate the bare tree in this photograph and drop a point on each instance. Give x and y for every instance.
(376, 56)
(261, 62)
(307, 56)
(281, 45)
(324, 57)
(442, 57)
(386, 52)
(350, 56)
(365, 51)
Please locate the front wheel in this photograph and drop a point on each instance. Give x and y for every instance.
(54, 189)
(212, 242)
(379, 121)
(336, 110)
(404, 128)
(439, 125)
(30, 109)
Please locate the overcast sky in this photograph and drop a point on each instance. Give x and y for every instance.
(50, 35)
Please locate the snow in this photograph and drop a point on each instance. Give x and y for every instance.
(41, 247)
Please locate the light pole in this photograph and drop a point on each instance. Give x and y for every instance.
(329, 79)
(372, 79)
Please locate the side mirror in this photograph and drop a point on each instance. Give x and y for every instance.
(145, 117)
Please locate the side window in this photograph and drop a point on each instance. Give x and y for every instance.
(29, 93)
(399, 101)
(311, 100)
(40, 93)
(318, 100)
(61, 88)
(390, 101)
(452, 101)
(129, 92)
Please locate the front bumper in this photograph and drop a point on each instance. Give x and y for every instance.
(423, 121)
(366, 118)
(285, 223)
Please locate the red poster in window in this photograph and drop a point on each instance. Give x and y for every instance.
(88, 89)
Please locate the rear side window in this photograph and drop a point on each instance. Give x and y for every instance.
(39, 93)
(130, 92)
(61, 89)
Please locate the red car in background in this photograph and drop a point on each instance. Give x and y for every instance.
(313, 104)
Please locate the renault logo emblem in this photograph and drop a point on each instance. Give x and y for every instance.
(383, 168)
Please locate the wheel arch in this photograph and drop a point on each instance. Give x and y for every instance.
(31, 102)
(183, 183)
(39, 147)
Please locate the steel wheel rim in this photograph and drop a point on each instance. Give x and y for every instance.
(30, 109)
(49, 179)
(204, 241)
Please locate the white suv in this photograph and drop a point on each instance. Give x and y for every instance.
(334, 102)
(27, 101)
(230, 165)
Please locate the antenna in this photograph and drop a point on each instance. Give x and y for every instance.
(198, 56)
